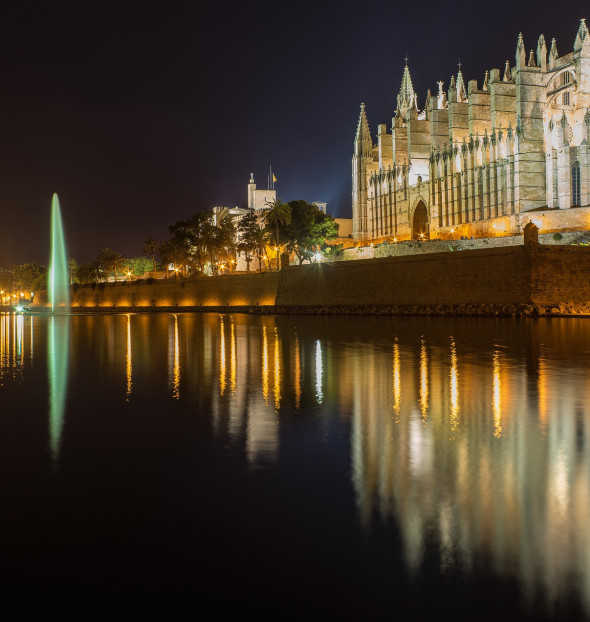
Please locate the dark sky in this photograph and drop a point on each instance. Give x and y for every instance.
(139, 114)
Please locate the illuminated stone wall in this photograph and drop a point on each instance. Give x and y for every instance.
(555, 276)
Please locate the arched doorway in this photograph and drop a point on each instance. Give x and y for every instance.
(420, 229)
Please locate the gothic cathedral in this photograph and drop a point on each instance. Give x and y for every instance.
(481, 161)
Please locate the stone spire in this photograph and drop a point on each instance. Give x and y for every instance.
(581, 36)
(553, 55)
(531, 62)
(486, 80)
(541, 53)
(406, 98)
(520, 52)
(507, 73)
(461, 90)
(363, 144)
(441, 98)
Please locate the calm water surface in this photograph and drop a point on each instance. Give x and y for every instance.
(295, 467)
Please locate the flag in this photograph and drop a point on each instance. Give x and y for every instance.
(274, 178)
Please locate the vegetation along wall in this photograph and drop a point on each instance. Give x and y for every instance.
(531, 279)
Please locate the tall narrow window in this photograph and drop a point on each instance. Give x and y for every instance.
(566, 98)
(576, 183)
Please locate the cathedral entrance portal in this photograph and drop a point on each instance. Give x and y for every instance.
(420, 229)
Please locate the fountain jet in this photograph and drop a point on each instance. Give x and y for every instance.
(58, 286)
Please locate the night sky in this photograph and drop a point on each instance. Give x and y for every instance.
(139, 114)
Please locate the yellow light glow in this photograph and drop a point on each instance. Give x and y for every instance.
(232, 360)
(176, 391)
(423, 381)
(129, 367)
(222, 367)
(277, 375)
(396, 381)
(497, 397)
(264, 366)
(297, 372)
(454, 387)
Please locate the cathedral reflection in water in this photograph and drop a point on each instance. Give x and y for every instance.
(467, 436)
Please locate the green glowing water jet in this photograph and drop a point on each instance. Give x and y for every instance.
(58, 286)
(58, 361)
(58, 289)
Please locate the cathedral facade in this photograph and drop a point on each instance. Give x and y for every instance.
(481, 160)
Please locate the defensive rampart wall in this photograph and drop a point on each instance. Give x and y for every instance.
(532, 279)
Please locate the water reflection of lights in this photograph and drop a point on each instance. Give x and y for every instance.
(297, 372)
(423, 380)
(174, 360)
(128, 365)
(318, 372)
(264, 365)
(277, 371)
(542, 392)
(396, 381)
(497, 397)
(454, 387)
(232, 360)
(20, 329)
(222, 368)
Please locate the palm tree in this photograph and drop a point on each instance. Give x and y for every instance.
(277, 215)
(260, 238)
(175, 252)
(150, 248)
(110, 260)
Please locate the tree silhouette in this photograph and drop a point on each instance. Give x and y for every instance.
(277, 215)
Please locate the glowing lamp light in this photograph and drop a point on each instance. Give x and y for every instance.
(318, 257)
(395, 240)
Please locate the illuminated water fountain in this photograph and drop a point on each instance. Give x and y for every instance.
(58, 289)
(58, 286)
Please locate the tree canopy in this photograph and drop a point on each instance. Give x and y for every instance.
(308, 229)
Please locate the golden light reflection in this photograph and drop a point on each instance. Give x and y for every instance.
(497, 397)
(397, 392)
(129, 366)
(176, 383)
(318, 372)
(277, 371)
(20, 331)
(297, 372)
(543, 393)
(3, 341)
(454, 387)
(423, 380)
(264, 365)
(32, 340)
(222, 366)
(232, 360)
